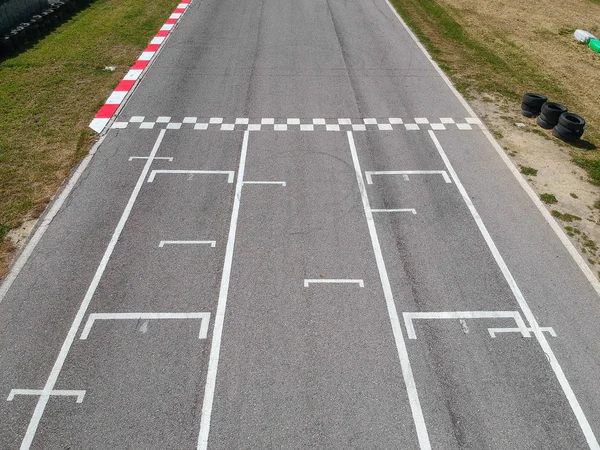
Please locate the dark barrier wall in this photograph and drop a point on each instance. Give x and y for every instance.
(13, 12)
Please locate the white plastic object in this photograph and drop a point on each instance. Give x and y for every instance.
(583, 36)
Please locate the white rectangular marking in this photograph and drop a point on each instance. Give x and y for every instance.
(241, 121)
(229, 173)
(280, 183)
(146, 56)
(344, 121)
(56, 392)
(254, 127)
(370, 121)
(443, 173)
(190, 119)
(319, 122)
(494, 331)
(157, 40)
(174, 126)
(309, 281)
(137, 119)
(410, 210)
(385, 127)
(211, 243)
(293, 121)
(446, 120)
(133, 74)
(203, 316)
(421, 120)
(307, 127)
(473, 120)
(395, 120)
(280, 127)
(463, 126)
(438, 126)
(359, 127)
(119, 125)
(167, 27)
(166, 158)
(267, 121)
(409, 317)
(411, 126)
(228, 127)
(201, 126)
(146, 125)
(332, 127)
(163, 119)
(215, 120)
(175, 16)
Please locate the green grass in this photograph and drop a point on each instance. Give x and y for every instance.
(550, 199)
(529, 171)
(49, 93)
(592, 167)
(566, 217)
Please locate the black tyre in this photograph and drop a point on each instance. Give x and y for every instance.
(20, 38)
(552, 112)
(542, 122)
(529, 108)
(528, 114)
(534, 100)
(7, 47)
(565, 134)
(571, 121)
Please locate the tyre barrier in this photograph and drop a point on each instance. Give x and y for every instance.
(27, 33)
(550, 114)
(532, 104)
(569, 127)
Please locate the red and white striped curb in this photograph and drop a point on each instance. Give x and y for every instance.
(126, 85)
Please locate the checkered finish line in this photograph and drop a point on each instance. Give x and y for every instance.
(290, 124)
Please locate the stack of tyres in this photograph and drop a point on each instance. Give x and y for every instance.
(550, 114)
(532, 104)
(6, 46)
(569, 127)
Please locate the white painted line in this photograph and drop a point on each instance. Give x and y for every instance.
(494, 331)
(146, 125)
(463, 126)
(190, 119)
(307, 127)
(64, 351)
(175, 16)
(211, 243)
(437, 126)
(395, 120)
(164, 158)
(241, 121)
(228, 127)
(385, 127)
(157, 40)
(447, 120)
(344, 121)
(98, 124)
(332, 127)
(254, 127)
(280, 127)
(421, 120)
(267, 121)
(116, 98)
(473, 120)
(215, 348)
(201, 126)
(319, 122)
(370, 121)
(118, 125)
(137, 119)
(174, 126)
(230, 174)
(309, 281)
(409, 317)
(560, 375)
(163, 119)
(407, 374)
(133, 74)
(203, 316)
(280, 183)
(411, 126)
(443, 173)
(410, 210)
(359, 127)
(167, 27)
(182, 6)
(57, 392)
(293, 121)
(215, 120)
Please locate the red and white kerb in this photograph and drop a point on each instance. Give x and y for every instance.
(116, 98)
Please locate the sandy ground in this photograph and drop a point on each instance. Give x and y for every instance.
(531, 146)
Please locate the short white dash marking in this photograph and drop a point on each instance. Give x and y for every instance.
(410, 210)
(164, 158)
(280, 183)
(163, 243)
(229, 173)
(310, 281)
(443, 173)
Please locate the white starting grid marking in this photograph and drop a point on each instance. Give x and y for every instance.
(211, 243)
(494, 331)
(165, 158)
(203, 316)
(406, 173)
(230, 174)
(309, 281)
(56, 392)
(409, 317)
(410, 210)
(279, 183)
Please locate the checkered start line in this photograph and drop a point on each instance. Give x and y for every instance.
(289, 124)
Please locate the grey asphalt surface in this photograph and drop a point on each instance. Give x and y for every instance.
(300, 367)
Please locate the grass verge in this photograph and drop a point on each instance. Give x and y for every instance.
(49, 94)
(517, 48)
